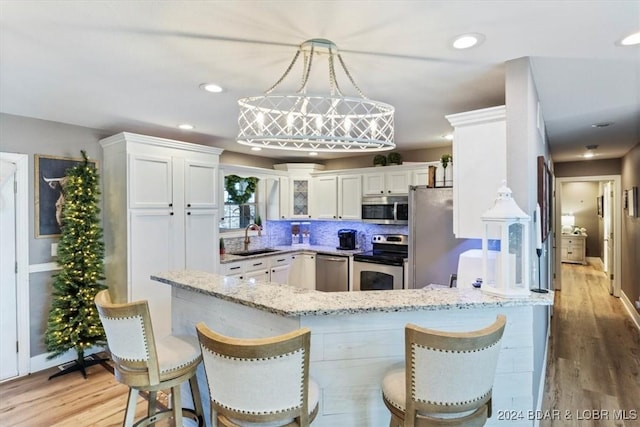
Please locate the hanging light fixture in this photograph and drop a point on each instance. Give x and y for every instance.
(304, 122)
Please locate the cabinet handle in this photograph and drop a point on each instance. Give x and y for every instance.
(257, 264)
(280, 260)
(234, 268)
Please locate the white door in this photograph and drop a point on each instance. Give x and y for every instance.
(8, 275)
(350, 197)
(607, 221)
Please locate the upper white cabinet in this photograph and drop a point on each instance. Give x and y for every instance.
(159, 214)
(337, 196)
(387, 183)
(201, 184)
(295, 190)
(479, 166)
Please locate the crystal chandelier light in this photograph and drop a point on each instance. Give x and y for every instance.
(304, 122)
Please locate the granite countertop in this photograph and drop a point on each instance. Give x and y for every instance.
(229, 257)
(291, 301)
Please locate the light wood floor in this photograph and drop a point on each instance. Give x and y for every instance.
(593, 364)
(594, 354)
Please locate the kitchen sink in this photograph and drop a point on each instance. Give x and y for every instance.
(255, 252)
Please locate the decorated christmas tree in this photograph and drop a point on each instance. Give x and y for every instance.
(73, 319)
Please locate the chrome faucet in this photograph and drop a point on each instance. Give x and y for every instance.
(251, 226)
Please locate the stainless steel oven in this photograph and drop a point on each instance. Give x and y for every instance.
(383, 267)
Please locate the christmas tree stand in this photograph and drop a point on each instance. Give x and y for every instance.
(81, 364)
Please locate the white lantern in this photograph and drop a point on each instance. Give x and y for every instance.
(506, 222)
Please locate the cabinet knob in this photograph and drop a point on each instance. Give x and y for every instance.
(381, 192)
(170, 205)
(188, 213)
(188, 205)
(171, 213)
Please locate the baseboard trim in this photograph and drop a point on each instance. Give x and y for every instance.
(40, 362)
(635, 317)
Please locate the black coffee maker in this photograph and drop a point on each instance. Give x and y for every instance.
(347, 239)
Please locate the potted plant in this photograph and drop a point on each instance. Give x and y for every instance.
(222, 246)
(445, 159)
(379, 160)
(394, 159)
(258, 222)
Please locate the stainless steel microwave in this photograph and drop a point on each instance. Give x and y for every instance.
(385, 209)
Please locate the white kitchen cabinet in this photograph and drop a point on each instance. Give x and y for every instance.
(479, 166)
(325, 197)
(386, 183)
(574, 249)
(280, 266)
(337, 196)
(159, 214)
(201, 246)
(303, 271)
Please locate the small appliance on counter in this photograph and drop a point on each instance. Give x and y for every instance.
(347, 239)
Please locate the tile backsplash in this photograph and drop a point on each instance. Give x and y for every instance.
(321, 233)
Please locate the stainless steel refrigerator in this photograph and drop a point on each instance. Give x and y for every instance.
(433, 249)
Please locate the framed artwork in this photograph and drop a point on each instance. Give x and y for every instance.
(633, 201)
(545, 195)
(600, 203)
(49, 178)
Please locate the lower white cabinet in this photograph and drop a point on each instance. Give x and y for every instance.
(303, 271)
(280, 267)
(574, 249)
(264, 269)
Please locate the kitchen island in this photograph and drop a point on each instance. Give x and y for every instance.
(357, 336)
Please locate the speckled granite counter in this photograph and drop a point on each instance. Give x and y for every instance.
(291, 301)
(357, 336)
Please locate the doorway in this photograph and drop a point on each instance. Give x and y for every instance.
(14, 258)
(609, 230)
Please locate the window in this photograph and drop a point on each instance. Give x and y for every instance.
(240, 202)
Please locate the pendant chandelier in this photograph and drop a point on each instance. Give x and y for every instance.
(315, 123)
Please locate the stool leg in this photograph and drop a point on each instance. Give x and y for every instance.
(130, 413)
(176, 400)
(197, 401)
(153, 403)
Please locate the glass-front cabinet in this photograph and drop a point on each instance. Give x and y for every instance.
(299, 188)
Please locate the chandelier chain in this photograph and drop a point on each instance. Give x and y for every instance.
(308, 59)
(353, 82)
(286, 73)
(333, 81)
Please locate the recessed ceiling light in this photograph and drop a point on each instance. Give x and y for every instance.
(631, 40)
(448, 137)
(601, 125)
(313, 153)
(256, 149)
(185, 126)
(591, 151)
(211, 87)
(466, 41)
(588, 155)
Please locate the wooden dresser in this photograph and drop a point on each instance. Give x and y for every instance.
(574, 248)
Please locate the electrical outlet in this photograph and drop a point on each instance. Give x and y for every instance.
(54, 249)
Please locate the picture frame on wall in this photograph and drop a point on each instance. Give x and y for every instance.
(633, 201)
(49, 179)
(545, 185)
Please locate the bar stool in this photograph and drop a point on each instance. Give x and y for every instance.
(144, 363)
(259, 382)
(447, 378)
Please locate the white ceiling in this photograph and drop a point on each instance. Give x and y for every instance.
(136, 65)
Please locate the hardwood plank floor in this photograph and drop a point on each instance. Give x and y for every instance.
(593, 365)
(593, 362)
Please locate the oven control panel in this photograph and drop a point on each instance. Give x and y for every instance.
(396, 239)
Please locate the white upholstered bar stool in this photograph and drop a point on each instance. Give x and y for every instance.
(144, 363)
(259, 382)
(447, 379)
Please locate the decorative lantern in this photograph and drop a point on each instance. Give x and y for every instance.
(506, 222)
